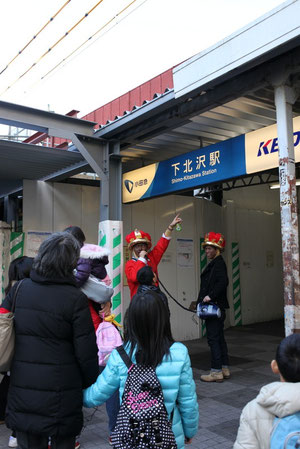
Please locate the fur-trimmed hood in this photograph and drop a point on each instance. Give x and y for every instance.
(90, 251)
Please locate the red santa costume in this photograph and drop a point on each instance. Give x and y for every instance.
(153, 257)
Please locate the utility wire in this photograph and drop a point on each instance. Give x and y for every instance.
(53, 46)
(34, 37)
(91, 37)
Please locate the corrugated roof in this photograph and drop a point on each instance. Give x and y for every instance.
(25, 161)
(132, 99)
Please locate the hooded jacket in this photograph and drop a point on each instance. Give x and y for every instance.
(55, 356)
(276, 399)
(176, 379)
(92, 260)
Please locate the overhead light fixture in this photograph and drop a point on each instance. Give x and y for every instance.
(277, 185)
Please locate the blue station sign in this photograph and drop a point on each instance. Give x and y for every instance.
(214, 163)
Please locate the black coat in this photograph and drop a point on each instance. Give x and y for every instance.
(214, 281)
(55, 357)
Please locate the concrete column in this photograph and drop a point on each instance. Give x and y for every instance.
(284, 99)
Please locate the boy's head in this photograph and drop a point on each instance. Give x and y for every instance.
(145, 276)
(287, 361)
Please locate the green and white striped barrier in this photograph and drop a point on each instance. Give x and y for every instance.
(236, 288)
(4, 257)
(203, 263)
(110, 236)
(16, 246)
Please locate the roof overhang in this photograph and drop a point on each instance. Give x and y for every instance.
(221, 93)
(261, 40)
(20, 161)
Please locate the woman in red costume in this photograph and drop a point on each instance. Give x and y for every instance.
(139, 243)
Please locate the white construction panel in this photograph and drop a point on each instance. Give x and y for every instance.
(67, 206)
(37, 206)
(260, 265)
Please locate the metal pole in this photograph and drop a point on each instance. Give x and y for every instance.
(284, 99)
(115, 182)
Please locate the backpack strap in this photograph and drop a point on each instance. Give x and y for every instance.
(124, 356)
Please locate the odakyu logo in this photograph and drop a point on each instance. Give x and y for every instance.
(129, 185)
(271, 145)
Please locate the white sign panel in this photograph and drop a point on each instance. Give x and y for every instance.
(185, 253)
(261, 147)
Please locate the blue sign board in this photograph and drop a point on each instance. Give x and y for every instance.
(212, 164)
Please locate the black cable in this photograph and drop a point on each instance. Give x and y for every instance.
(172, 297)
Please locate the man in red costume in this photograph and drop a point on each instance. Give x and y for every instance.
(139, 243)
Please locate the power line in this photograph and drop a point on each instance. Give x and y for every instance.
(35, 36)
(53, 46)
(91, 37)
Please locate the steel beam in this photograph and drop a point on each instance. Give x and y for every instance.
(115, 182)
(53, 124)
(96, 153)
(285, 97)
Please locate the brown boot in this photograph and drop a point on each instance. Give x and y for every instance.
(226, 373)
(213, 376)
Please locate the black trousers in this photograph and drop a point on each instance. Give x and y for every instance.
(32, 441)
(3, 395)
(216, 342)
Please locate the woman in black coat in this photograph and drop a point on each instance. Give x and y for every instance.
(55, 350)
(214, 281)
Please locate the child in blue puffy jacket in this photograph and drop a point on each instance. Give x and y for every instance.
(149, 341)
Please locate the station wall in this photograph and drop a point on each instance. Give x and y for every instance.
(249, 216)
(51, 207)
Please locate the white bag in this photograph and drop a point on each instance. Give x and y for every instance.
(97, 290)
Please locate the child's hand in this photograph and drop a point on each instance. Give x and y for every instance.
(187, 440)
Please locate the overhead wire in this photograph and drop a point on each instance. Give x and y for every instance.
(35, 36)
(53, 46)
(91, 37)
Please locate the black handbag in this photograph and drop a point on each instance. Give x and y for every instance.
(208, 310)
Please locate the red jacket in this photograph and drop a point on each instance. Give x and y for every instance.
(95, 315)
(134, 265)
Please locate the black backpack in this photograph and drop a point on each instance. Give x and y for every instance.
(142, 421)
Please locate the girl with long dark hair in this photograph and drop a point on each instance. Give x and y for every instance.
(149, 342)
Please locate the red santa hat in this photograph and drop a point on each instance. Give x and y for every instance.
(138, 236)
(214, 239)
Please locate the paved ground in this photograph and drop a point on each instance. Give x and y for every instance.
(251, 349)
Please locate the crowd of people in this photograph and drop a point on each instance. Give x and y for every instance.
(70, 352)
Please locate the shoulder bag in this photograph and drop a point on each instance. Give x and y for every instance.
(7, 334)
